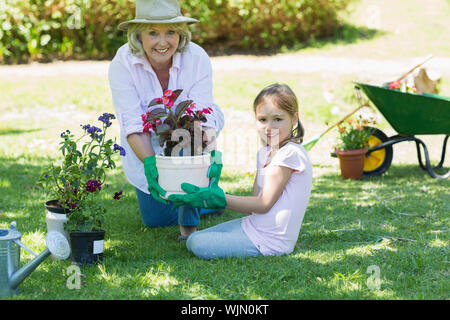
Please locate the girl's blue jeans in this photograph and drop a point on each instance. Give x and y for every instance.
(223, 240)
(156, 214)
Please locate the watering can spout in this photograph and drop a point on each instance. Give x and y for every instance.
(20, 275)
(56, 245)
(11, 275)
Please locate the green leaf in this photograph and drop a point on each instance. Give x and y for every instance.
(156, 114)
(177, 93)
(153, 103)
(162, 128)
(181, 108)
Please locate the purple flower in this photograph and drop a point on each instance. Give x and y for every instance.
(93, 185)
(117, 195)
(105, 118)
(117, 147)
(65, 133)
(92, 130)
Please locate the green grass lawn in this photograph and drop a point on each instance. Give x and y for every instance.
(394, 226)
(346, 230)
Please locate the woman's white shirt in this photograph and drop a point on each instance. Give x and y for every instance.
(134, 84)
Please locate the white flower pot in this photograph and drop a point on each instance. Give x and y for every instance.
(55, 219)
(173, 171)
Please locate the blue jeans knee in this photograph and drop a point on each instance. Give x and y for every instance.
(156, 214)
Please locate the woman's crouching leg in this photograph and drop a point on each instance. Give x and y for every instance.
(155, 214)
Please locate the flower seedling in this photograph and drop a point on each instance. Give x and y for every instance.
(354, 133)
(76, 182)
(175, 123)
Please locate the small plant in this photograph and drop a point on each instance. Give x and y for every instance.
(402, 86)
(181, 123)
(89, 216)
(77, 180)
(354, 133)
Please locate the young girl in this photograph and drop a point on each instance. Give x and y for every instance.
(280, 192)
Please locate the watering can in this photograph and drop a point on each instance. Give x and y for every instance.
(11, 275)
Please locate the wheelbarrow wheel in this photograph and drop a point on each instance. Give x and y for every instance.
(377, 162)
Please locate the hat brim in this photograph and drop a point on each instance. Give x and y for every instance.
(124, 25)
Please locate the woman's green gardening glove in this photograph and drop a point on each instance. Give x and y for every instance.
(211, 197)
(151, 173)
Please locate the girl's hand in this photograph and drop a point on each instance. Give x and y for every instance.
(211, 197)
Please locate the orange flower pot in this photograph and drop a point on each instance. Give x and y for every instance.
(351, 163)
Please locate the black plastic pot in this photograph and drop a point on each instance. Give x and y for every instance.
(87, 247)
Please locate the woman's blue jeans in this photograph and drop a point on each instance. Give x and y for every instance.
(155, 214)
(223, 240)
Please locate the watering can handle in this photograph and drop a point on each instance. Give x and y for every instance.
(24, 247)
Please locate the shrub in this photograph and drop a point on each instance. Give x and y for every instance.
(42, 30)
(262, 24)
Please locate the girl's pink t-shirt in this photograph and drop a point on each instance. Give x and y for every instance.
(276, 232)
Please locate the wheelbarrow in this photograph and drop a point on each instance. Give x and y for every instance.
(409, 115)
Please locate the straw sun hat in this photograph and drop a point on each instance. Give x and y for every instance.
(157, 11)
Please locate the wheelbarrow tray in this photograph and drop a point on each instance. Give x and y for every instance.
(411, 114)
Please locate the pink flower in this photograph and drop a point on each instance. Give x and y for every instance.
(394, 85)
(158, 100)
(147, 127)
(206, 110)
(168, 93)
(190, 110)
(167, 102)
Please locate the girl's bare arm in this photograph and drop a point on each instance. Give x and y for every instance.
(275, 181)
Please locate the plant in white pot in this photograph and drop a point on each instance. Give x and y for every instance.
(179, 129)
(75, 183)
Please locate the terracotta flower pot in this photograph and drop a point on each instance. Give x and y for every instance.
(351, 163)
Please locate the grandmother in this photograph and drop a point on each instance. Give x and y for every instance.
(158, 56)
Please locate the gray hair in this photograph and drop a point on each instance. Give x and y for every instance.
(135, 29)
